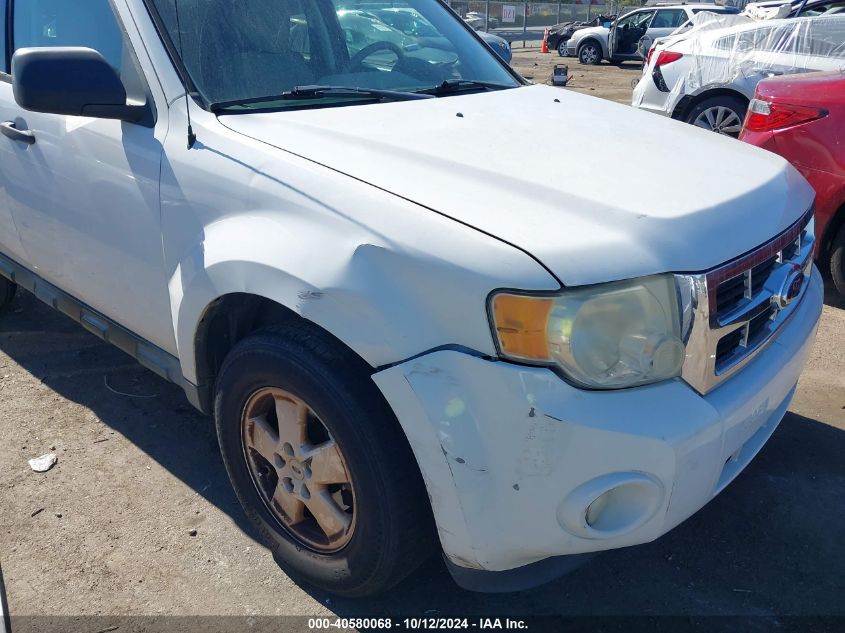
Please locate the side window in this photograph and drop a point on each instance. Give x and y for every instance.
(62, 23)
(628, 20)
(669, 19)
(726, 43)
(640, 20)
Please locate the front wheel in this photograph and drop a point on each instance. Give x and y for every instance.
(319, 462)
(561, 49)
(590, 53)
(7, 292)
(837, 262)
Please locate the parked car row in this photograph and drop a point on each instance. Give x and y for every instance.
(401, 32)
(559, 34)
(619, 41)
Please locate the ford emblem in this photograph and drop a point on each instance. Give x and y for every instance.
(790, 288)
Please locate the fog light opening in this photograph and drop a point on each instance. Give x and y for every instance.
(621, 508)
(596, 508)
(611, 505)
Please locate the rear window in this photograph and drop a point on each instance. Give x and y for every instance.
(668, 19)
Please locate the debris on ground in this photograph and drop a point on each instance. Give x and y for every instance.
(123, 393)
(36, 512)
(44, 463)
(560, 75)
(192, 532)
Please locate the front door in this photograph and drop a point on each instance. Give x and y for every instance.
(10, 244)
(85, 195)
(626, 33)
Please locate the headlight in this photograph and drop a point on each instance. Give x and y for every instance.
(606, 336)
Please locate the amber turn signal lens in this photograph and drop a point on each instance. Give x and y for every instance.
(521, 324)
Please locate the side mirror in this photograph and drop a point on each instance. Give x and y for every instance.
(71, 80)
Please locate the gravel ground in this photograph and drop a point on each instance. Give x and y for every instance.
(603, 80)
(110, 529)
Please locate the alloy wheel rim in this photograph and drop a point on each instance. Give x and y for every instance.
(589, 54)
(298, 470)
(721, 120)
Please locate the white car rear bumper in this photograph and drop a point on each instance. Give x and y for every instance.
(647, 96)
(513, 456)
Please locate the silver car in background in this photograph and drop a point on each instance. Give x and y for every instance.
(620, 42)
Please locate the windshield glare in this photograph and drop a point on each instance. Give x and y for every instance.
(255, 48)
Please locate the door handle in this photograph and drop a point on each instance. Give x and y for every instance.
(8, 129)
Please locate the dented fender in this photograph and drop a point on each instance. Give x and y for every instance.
(388, 277)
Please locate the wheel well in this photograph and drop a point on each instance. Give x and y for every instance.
(830, 232)
(228, 320)
(590, 39)
(686, 104)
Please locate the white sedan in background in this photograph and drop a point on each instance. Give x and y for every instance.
(707, 75)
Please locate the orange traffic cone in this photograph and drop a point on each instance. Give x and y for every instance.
(545, 47)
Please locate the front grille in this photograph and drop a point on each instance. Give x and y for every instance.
(741, 304)
(734, 291)
(730, 293)
(727, 346)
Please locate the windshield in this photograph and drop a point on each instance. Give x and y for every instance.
(250, 49)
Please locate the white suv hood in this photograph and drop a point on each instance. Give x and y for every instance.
(594, 190)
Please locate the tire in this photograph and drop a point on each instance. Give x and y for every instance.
(722, 114)
(391, 527)
(561, 49)
(589, 53)
(7, 293)
(837, 261)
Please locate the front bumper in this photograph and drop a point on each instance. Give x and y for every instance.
(512, 456)
(572, 48)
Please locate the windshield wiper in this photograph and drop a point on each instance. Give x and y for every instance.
(451, 86)
(322, 92)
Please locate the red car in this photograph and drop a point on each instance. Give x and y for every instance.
(802, 118)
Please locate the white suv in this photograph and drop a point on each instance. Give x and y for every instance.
(707, 76)
(407, 344)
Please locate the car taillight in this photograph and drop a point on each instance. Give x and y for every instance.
(666, 57)
(764, 116)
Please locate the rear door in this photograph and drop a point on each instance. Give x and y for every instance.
(10, 152)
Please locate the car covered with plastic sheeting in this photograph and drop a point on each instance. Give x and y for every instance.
(707, 75)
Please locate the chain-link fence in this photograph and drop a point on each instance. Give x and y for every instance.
(525, 21)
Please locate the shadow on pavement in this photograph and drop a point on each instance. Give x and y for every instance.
(160, 421)
(768, 545)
